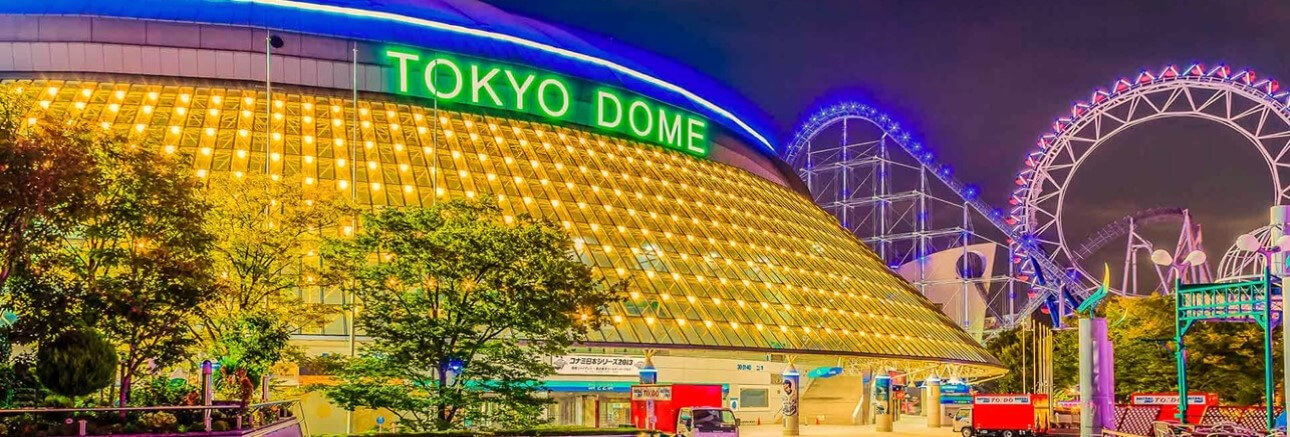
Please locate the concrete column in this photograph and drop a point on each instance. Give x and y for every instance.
(208, 392)
(882, 403)
(649, 375)
(932, 402)
(862, 416)
(579, 411)
(1104, 377)
(894, 405)
(1280, 216)
(1086, 397)
(265, 384)
(792, 394)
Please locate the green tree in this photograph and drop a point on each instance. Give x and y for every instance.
(1227, 358)
(1011, 345)
(76, 363)
(144, 254)
(1141, 330)
(134, 266)
(1224, 358)
(265, 255)
(462, 308)
(47, 173)
(248, 349)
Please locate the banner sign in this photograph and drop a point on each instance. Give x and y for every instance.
(954, 389)
(587, 386)
(882, 394)
(489, 84)
(824, 372)
(1002, 400)
(956, 400)
(651, 392)
(597, 365)
(792, 394)
(1165, 400)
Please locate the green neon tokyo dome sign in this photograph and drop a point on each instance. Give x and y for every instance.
(475, 82)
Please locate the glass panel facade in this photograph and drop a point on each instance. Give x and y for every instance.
(717, 257)
(754, 398)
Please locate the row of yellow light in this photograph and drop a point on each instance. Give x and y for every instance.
(786, 329)
(217, 99)
(666, 297)
(768, 307)
(747, 282)
(831, 276)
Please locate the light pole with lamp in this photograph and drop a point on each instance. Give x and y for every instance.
(1163, 258)
(1250, 243)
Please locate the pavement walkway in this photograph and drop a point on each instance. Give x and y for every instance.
(906, 427)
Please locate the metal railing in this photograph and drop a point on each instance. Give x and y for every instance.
(125, 420)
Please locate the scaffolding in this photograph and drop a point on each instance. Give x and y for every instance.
(884, 191)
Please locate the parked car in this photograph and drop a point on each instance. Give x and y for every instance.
(706, 422)
(962, 423)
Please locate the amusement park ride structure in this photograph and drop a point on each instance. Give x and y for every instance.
(886, 188)
(1128, 230)
(1239, 265)
(889, 190)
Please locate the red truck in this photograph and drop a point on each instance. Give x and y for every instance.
(1008, 415)
(669, 400)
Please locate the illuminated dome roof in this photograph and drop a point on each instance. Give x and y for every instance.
(465, 27)
(725, 257)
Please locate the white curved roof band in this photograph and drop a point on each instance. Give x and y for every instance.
(361, 13)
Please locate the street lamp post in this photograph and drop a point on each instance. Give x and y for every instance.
(1250, 243)
(1163, 258)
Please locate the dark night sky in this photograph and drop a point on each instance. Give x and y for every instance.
(979, 81)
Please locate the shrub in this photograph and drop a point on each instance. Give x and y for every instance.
(76, 363)
(59, 401)
(160, 421)
(165, 391)
(325, 364)
(18, 384)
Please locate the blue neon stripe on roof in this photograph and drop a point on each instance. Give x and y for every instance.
(462, 26)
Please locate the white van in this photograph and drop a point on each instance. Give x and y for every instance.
(706, 422)
(963, 422)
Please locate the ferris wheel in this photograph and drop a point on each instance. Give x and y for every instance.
(1253, 107)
